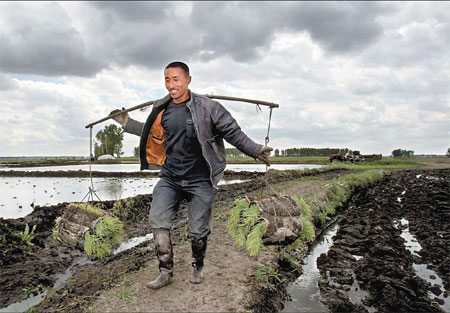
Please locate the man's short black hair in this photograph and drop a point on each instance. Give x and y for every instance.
(179, 64)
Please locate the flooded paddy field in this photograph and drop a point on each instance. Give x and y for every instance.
(22, 194)
(136, 168)
(26, 187)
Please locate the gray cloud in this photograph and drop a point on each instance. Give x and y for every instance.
(372, 76)
(135, 11)
(338, 26)
(34, 43)
(151, 34)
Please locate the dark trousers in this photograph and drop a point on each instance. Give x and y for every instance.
(167, 195)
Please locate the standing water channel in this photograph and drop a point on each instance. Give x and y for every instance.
(305, 292)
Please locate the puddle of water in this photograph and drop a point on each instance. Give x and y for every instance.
(421, 270)
(305, 292)
(133, 242)
(24, 305)
(63, 277)
(356, 294)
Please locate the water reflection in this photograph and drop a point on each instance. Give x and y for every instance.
(305, 291)
(22, 194)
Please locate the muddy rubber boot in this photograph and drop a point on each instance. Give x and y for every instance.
(164, 251)
(198, 254)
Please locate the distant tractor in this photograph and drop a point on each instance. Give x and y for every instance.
(336, 157)
(355, 157)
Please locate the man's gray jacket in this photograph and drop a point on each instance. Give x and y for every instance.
(212, 123)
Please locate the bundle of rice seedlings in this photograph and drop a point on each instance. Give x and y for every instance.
(92, 228)
(108, 233)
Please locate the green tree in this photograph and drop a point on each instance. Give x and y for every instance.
(277, 152)
(136, 152)
(402, 153)
(109, 141)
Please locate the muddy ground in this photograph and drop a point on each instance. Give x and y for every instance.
(118, 282)
(28, 269)
(369, 252)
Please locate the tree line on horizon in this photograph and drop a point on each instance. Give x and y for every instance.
(295, 152)
(109, 141)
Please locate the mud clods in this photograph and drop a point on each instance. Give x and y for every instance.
(369, 268)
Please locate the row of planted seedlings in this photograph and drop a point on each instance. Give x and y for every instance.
(289, 225)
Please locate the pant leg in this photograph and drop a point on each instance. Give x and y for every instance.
(166, 198)
(200, 197)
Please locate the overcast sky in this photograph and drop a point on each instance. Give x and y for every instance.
(369, 76)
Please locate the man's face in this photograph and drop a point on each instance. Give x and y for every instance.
(177, 83)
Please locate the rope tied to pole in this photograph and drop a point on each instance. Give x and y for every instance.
(91, 192)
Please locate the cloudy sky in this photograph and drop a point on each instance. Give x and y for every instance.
(369, 76)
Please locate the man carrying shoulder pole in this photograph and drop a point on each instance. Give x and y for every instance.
(184, 135)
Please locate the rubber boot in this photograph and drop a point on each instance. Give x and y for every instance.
(198, 254)
(164, 251)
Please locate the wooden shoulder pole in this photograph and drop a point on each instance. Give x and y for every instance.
(142, 105)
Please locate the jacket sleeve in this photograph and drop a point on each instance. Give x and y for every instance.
(229, 129)
(133, 127)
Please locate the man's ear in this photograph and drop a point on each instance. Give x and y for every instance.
(189, 79)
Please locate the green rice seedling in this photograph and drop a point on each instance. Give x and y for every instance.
(110, 227)
(123, 208)
(268, 276)
(34, 291)
(290, 256)
(27, 235)
(254, 239)
(305, 207)
(243, 225)
(55, 233)
(322, 217)
(251, 216)
(95, 246)
(235, 216)
(85, 207)
(308, 232)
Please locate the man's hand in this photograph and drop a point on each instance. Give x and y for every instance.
(122, 119)
(264, 154)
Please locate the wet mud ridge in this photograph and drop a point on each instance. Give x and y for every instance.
(391, 252)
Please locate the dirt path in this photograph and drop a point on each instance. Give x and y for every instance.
(227, 269)
(229, 272)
